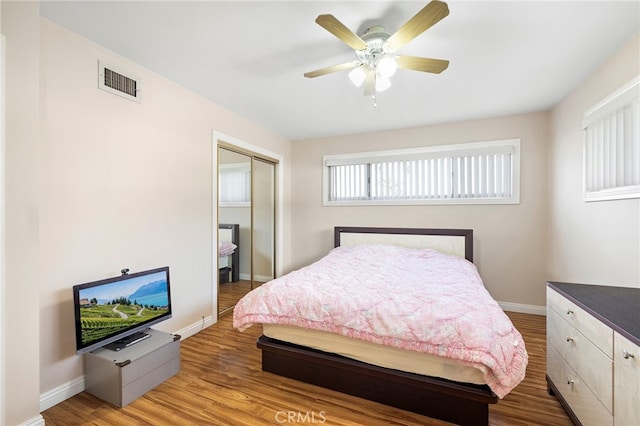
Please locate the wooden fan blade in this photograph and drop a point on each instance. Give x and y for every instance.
(370, 84)
(423, 20)
(333, 68)
(415, 63)
(338, 29)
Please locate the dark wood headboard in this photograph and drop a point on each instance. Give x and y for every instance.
(453, 241)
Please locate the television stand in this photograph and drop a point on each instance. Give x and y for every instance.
(120, 377)
(125, 342)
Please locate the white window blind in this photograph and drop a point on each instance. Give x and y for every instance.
(612, 146)
(234, 184)
(484, 172)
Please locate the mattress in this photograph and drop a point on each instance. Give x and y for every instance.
(412, 300)
(371, 353)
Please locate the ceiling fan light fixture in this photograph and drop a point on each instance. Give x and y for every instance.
(376, 49)
(357, 76)
(387, 66)
(382, 83)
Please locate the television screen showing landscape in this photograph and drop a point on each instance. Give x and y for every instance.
(108, 309)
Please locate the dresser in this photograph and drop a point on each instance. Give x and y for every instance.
(593, 352)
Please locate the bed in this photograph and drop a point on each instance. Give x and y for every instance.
(228, 252)
(451, 375)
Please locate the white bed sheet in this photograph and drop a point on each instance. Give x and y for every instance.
(371, 353)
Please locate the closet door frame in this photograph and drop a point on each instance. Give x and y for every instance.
(240, 146)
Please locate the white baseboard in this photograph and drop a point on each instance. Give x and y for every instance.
(259, 278)
(524, 309)
(196, 327)
(62, 392)
(34, 421)
(55, 396)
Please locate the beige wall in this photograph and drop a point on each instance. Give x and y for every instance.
(124, 184)
(95, 183)
(20, 310)
(509, 240)
(596, 242)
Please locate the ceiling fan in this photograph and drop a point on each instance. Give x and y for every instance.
(376, 49)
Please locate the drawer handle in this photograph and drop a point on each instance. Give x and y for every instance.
(569, 311)
(627, 355)
(570, 381)
(569, 339)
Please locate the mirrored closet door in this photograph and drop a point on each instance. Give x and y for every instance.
(264, 216)
(246, 224)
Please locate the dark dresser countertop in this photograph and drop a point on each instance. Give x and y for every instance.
(618, 307)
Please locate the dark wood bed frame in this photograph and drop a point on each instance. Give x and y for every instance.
(461, 403)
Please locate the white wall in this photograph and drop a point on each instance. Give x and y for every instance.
(20, 311)
(596, 242)
(509, 240)
(123, 184)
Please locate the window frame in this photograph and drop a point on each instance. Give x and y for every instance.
(435, 150)
(625, 96)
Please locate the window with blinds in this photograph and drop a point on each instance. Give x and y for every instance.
(612, 146)
(234, 184)
(475, 173)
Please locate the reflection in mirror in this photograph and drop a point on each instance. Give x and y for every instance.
(263, 221)
(246, 217)
(234, 208)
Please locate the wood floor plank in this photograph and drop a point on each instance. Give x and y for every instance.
(221, 383)
(229, 293)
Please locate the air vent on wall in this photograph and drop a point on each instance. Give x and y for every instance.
(118, 82)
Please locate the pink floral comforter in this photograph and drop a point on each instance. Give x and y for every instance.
(226, 248)
(419, 300)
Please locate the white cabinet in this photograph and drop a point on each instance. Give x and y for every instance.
(626, 379)
(122, 376)
(591, 367)
(580, 370)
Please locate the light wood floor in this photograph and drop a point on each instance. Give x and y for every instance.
(229, 294)
(221, 383)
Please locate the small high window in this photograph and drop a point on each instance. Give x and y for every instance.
(473, 173)
(612, 145)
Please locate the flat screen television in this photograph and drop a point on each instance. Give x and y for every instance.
(116, 312)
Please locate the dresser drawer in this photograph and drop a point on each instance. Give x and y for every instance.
(578, 396)
(596, 331)
(593, 366)
(627, 382)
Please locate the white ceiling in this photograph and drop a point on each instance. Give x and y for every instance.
(506, 57)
